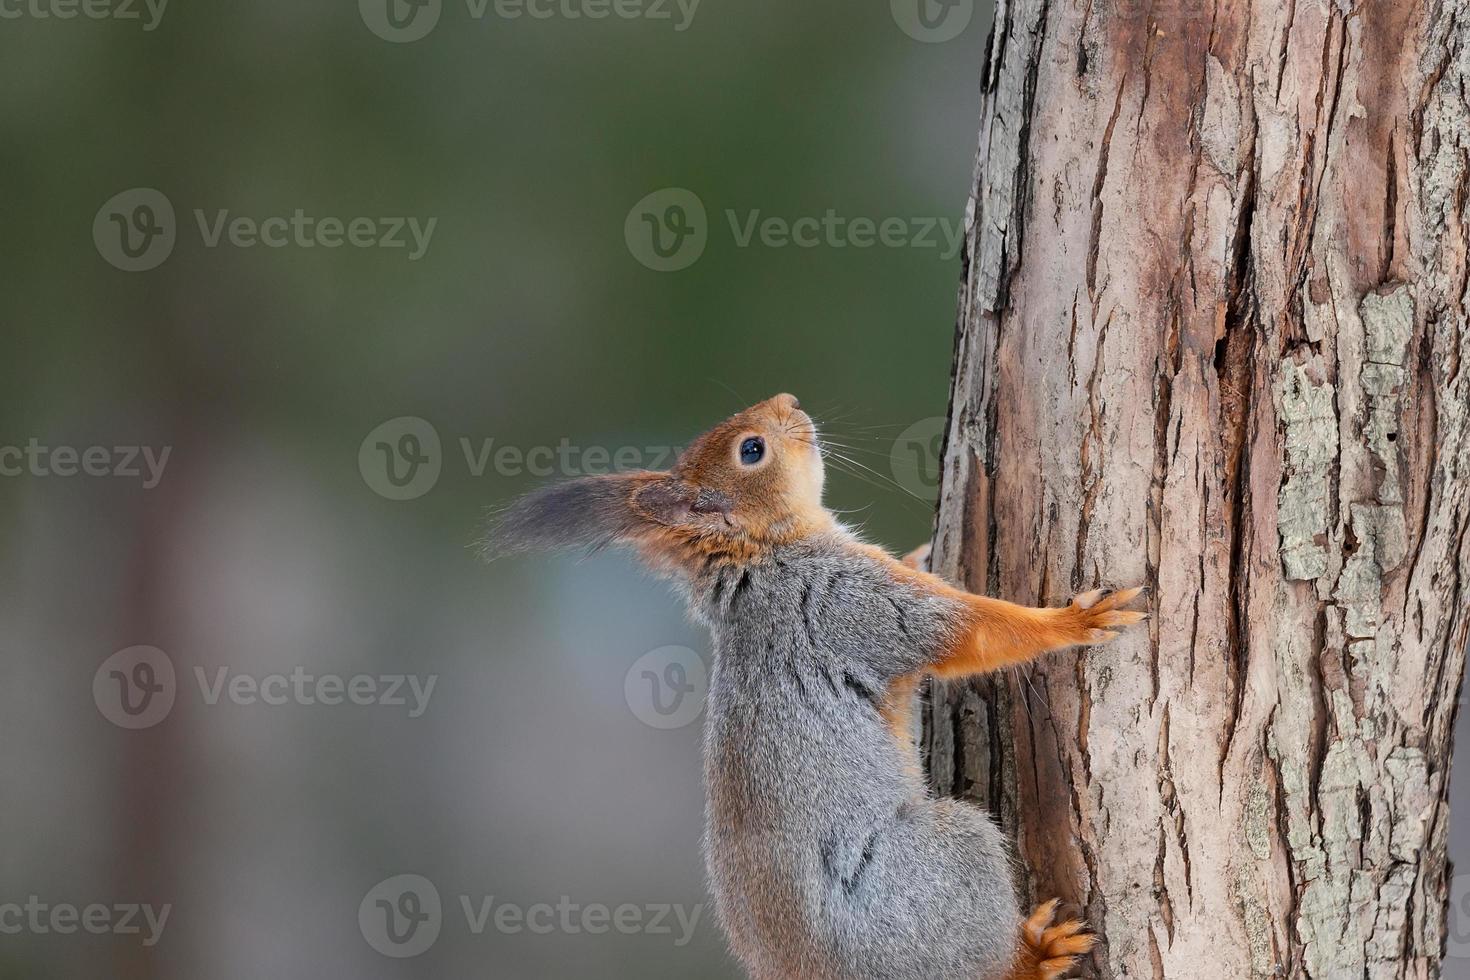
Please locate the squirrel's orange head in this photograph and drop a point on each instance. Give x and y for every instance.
(759, 472)
(753, 481)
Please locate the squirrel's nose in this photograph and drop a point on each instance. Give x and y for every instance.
(786, 401)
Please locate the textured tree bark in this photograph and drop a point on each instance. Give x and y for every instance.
(1213, 339)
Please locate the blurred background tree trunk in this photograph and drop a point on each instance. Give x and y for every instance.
(1212, 339)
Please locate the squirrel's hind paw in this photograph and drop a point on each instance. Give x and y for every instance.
(1051, 950)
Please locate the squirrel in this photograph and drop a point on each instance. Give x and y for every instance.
(827, 857)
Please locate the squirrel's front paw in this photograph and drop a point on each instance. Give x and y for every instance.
(1093, 614)
(1053, 949)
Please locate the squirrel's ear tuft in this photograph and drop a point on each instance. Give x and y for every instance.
(667, 502)
(590, 512)
(670, 502)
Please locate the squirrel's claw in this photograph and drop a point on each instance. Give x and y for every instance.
(1098, 613)
(1052, 949)
(1087, 600)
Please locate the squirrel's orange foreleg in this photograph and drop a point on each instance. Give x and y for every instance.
(1047, 951)
(995, 634)
(998, 634)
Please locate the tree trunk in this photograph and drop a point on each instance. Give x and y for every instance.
(1212, 339)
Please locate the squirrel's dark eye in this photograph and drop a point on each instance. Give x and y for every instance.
(752, 450)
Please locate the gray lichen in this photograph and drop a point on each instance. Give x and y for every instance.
(1378, 525)
(1306, 410)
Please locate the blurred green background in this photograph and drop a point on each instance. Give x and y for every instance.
(532, 775)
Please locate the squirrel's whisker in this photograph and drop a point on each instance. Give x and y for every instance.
(738, 397)
(857, 449)
(886, 480)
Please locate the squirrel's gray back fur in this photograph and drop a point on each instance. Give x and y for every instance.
(826, 858)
